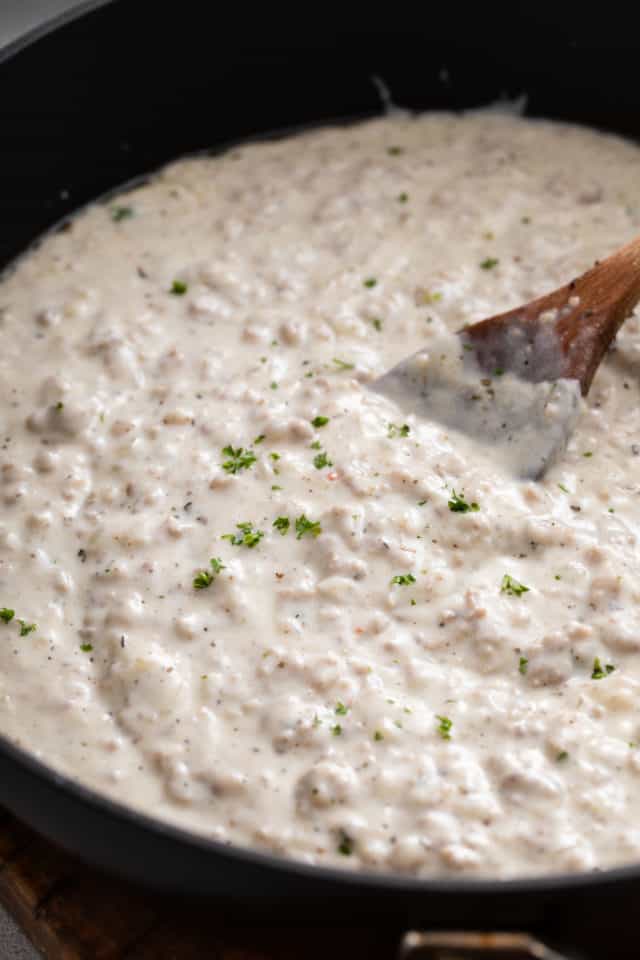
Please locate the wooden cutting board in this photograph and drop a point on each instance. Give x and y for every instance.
(71, 912)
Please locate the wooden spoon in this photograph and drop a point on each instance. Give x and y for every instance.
(568, 331)
(552, 348)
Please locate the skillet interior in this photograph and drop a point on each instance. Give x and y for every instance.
(119, 91)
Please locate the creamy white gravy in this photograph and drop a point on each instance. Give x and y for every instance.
(360, 677)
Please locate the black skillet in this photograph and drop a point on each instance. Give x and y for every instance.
(115, 90)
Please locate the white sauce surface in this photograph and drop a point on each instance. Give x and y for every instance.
(304, 702)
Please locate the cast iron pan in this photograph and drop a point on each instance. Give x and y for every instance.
(96, 99)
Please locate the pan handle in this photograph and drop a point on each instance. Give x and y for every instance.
(450, 945)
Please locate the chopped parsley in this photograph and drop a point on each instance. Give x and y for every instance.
(425, 298)
(588, 453)
(458, 504)
(562, 756)
(345, 847)
(336, 730)
(444, 726)
(239, 459)
(26, 628)
(341, 710)
(523, 665)
(205, 578)
(563, 488)
(86, 647)
(376, 322)
(489, 263)
(321, 460)
(273, 385)
(378, 735)
(7, 615)
(248, 538)
(319, 422)
(598, 672)
(369, 282)
(178, 288)
(393, 430)
(513, 587)
(121, 213)
(260, 438)
(316, 445)
(403, 579)
(303, 526)
(282, 524)
(59, 406)
(343, 364)
(525, 219)
(403, 197)
(395, 151)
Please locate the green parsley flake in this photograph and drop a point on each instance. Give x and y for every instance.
(458, 504)
(489, 263)
(204, 578)
(303, 526)
(250, 538)
(86, 647)
(395, 151)
(562, 756)
(239, 459)
(178, 288)
(341, 710)
(444, 726)
(403, 197)
(273, 385)
(369, 282)
(403, 579)
(316, 445)
(588, 453)
(523, 665)
(376, 323)
(336, 730)
(260, 438)
(59, 406)
(282, 524)
(425, 298)
(343, 364)
(345, 847)
(321, 460)
(378, 735)
(7, 615)
(26, 628)
(121, 213)
(598, 672)
(393, 430)
(318, 422)
(563, 488)
(513, 587)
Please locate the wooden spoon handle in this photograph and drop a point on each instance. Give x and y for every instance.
(607, 295)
